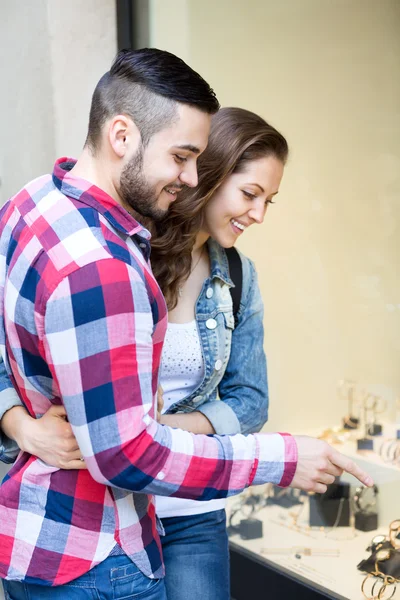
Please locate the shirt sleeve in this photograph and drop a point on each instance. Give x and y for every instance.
(243, 391)
(8, 399)
(101, 346)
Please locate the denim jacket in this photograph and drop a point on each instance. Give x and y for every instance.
(234, 392)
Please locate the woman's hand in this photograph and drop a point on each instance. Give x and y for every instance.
(50, 438)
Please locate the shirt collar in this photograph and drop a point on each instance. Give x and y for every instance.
(93, 196)
(219, 262)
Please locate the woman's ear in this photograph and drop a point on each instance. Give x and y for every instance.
(123, 135)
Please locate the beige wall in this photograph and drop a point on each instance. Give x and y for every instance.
(52, 57)
(327, 73)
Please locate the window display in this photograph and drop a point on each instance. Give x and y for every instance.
(345, 543)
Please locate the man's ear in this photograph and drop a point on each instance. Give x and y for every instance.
(123, 135)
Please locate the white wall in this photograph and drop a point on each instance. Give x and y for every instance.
(26, 99)
(81, 53)
(327, 73)
(53, 54)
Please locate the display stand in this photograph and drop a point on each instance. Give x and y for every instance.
(282, 574)
(329, 577)
(253, 576)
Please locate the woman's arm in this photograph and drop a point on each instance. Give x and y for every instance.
(194, 422)
(243, 391)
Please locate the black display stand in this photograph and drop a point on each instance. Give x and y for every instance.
(255, 577)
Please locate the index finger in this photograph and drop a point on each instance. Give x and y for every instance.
(345, 463)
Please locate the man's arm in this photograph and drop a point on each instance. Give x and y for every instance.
(99, 346)
(50, 437)
(8, 400)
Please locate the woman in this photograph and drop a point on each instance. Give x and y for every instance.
(213, 371)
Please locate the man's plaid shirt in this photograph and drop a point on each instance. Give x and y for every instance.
(83, 325)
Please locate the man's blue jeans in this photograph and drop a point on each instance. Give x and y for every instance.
(196, 557)
(116, 578)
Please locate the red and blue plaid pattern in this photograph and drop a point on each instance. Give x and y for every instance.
(83, 324)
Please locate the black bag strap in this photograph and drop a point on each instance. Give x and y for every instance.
(236, 274)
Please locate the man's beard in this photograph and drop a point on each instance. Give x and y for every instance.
(136, 192)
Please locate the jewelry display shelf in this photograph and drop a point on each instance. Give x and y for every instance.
(385, 474)
(254, 574)
(309, 577)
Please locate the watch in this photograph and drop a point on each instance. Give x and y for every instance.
(362, 499)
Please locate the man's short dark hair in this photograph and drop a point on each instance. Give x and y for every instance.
(146, 85)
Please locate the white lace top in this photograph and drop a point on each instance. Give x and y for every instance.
(182, 371)
(182, 365)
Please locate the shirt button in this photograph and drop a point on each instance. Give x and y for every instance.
(210, 293)
(142, 246)
(160, 475)
(211, 323)
(196, 399)
(218, 365)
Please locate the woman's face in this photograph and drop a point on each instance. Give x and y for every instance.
(242, 200)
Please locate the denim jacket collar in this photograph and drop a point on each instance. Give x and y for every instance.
(219, 262)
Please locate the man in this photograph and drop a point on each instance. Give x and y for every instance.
(83, 325)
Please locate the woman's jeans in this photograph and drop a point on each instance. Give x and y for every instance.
(116, 578)
(196, 557)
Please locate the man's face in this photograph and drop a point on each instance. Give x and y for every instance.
(152, 178)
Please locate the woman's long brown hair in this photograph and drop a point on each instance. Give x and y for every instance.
(237, 137)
